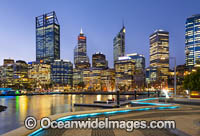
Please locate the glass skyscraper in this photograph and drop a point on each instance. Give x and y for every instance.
(80, 51)
(192, 40)
(159, 52)
(47, 38)
(119, 44)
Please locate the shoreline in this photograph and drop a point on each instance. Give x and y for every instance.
(85, 93)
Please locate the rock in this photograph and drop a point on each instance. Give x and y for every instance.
(2, 108)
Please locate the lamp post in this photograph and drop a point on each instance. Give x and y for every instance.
(174, 58)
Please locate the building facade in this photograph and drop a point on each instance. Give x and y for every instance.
(124, 73)
(21, 79)
(62, 72)
(77, 77)
(47, 38)
(99, 61)
(192, 41)
(139, 72)
(97, 79)
(119, 44)
(159, 53)
(40, 74)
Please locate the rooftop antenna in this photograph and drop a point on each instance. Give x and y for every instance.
(122, 22)
(81, 32)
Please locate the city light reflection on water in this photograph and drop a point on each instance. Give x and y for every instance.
(39, 106)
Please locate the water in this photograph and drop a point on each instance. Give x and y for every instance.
(39, 106)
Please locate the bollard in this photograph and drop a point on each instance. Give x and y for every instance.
(158, 93)
(118, 104)
(135, 94)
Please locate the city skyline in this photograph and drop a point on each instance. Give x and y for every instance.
(136, 41)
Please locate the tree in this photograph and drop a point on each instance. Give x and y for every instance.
(192, 81)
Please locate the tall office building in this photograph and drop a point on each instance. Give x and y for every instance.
(124, 73)
(119, 44)
(47, 38)
(80, 51)
(159, 52)
(192, 40)
(99, 61)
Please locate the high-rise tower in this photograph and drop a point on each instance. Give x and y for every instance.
(192, 41)
(119, 44)
(80, 51)
(159, 52)
(47, 38)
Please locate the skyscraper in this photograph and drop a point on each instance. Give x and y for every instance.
(159, 52)
(47, 38)
(192, 40)
(124, 73)
(80, 51)
(119, 44)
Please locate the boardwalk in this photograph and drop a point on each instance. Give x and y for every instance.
(187, 122)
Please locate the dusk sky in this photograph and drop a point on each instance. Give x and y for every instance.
(101, 20)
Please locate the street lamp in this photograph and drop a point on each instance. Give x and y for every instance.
(174, 58)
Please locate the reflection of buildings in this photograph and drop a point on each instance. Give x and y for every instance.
(47, 38)
(80, 51)
(119, 44)
(159, 54)
(124, 73)
(40, 73)
(99, 61)
(192, 40)
(61, 72)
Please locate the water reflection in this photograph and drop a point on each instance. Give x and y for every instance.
(39, 106)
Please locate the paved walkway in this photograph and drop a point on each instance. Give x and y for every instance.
(187, 119)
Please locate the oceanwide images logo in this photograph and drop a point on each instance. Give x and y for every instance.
(95, 123)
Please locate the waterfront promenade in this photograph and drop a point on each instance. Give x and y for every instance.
(187, 124)
(186, 116)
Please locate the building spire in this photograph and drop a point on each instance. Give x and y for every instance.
(122, 22)
(81, 32)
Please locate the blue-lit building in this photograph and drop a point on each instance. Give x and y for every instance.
(62, 72)
(192, 40)
(119, 44)
(47, 38)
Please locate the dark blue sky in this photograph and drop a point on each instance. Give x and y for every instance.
(100, 19)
